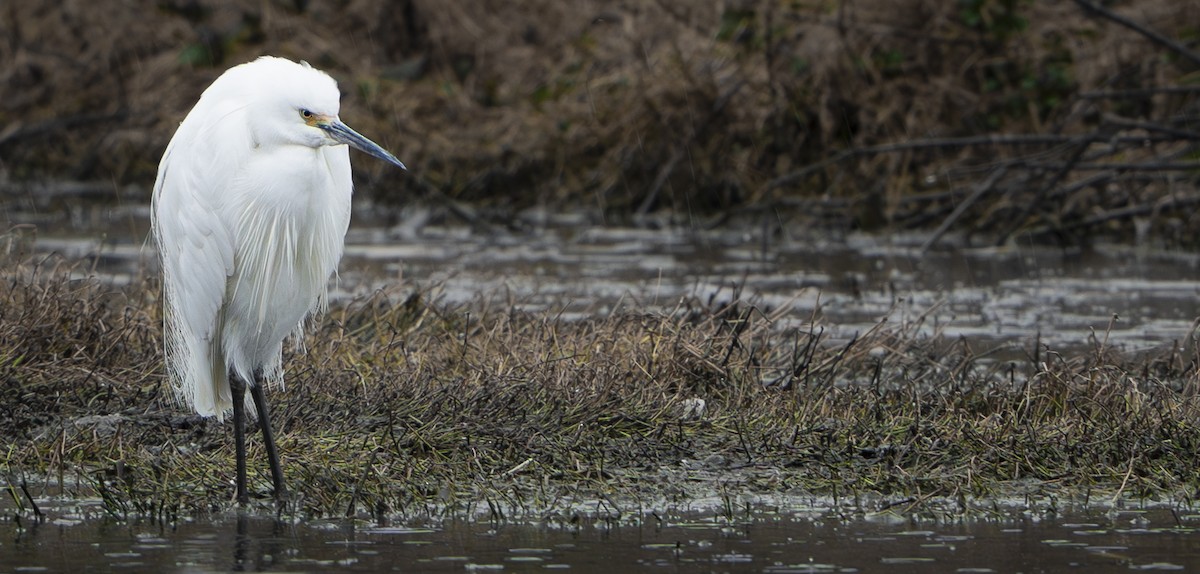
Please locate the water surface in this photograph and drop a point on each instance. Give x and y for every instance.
(1017, 296)
(764, 539)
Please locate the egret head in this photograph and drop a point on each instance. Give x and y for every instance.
(298, 104)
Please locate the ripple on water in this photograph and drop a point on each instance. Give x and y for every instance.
(782, 541)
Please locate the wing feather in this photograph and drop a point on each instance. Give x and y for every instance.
(196, 249)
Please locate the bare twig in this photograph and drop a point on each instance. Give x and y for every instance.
(932, 143)
(980, 189)
(1123, 122)
(18, 133)
(1061, 172)
(1125, 213)
(1138, 93)
(659, 180)
(1120, 166)
(1153, 36)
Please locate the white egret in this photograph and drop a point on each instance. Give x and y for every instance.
(250, 211)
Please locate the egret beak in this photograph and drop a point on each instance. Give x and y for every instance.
(342, 133)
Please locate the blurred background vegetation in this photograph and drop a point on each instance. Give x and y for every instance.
(1049, 118)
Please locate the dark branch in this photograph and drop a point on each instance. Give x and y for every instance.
(1153, 36)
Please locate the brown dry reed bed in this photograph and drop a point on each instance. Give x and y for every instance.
(406, 408)
(990, 117)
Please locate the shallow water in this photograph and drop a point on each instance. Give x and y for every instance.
(1127, 297)
(762, 540)
(1013, 297)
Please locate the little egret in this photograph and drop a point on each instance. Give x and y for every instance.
(250, 211)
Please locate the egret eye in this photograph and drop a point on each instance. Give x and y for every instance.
(307, 115)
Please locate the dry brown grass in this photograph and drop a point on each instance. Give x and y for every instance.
(650, 108)
(406, 408)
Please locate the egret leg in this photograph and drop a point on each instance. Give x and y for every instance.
(264, 419)
(238, 388)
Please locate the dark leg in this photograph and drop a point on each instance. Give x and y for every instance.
(264, 419)
(238, 388)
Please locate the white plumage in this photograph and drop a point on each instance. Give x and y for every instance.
(249, 212)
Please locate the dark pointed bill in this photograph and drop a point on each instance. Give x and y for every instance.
(342, 132)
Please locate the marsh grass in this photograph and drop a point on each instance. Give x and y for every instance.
(406, 407)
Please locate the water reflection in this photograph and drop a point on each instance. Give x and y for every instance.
(763, 539)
